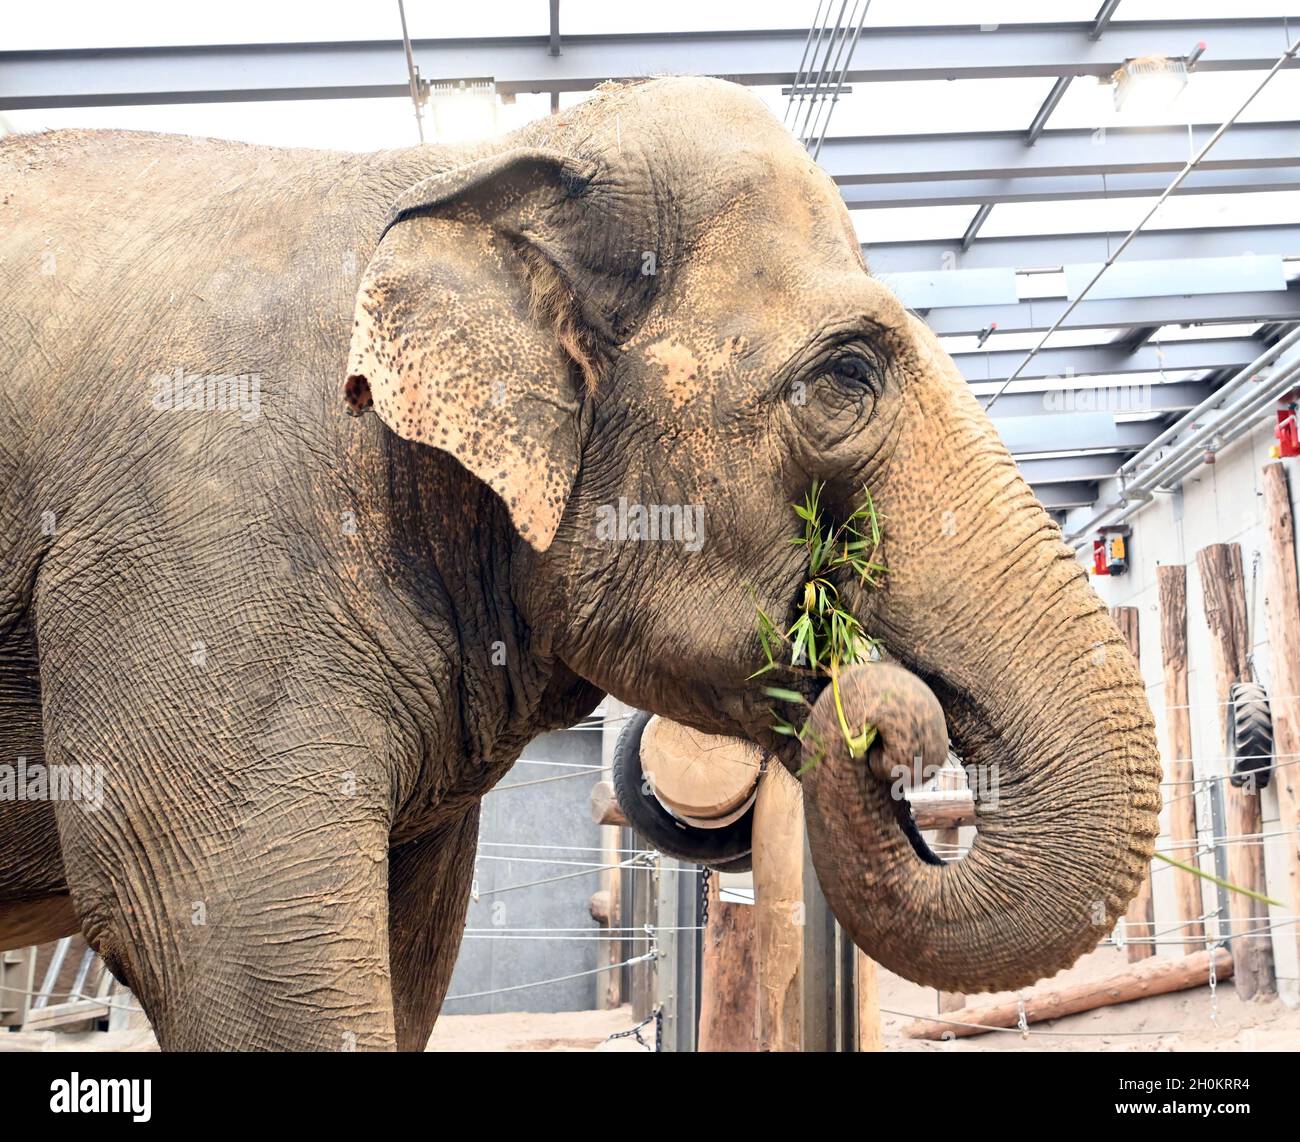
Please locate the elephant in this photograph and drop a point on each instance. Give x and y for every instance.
(317, 474)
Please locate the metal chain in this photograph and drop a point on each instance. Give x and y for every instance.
(704, 899)
(655, 1017)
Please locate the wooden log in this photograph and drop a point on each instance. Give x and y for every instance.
(1223, 586)
(943, 811)
(604, 807)
(778, 904)
(1157, 976)
(1282, 595)
(951, 782)
(641, 886)
(57, 1014)
(17, 982)
(598, 907)
(870, 1035)
(728, 977)
(929, 811)
(1139, 920)
(699, 776)
(611, 951)
(1180, 797)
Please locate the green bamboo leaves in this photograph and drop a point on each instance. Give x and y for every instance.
(825, 635)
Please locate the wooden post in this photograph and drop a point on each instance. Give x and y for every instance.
(778, 904)
(1283, 604)
(1180, 796)
(609, 987)
(728, 976)
(17, 976)
(822, 974)
(870, 1037)
(950, 780)
(1224, 588)
(1139, 920)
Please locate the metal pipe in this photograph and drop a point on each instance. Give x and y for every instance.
(1235, 420)
(1228, 415)
(1215, 399)
(818, 83)
(838, 47)
(839, 83)
(1187, 455)
(799, 75)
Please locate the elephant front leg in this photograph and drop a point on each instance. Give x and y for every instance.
(429, 886)
(234, 873)
(261, 930)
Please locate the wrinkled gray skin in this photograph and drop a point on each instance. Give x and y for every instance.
(282, 638)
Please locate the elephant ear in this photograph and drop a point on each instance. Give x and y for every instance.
(466, 338)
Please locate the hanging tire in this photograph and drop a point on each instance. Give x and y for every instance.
(1250, 735)
(726, 849)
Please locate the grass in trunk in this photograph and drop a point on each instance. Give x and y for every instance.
(826, 636)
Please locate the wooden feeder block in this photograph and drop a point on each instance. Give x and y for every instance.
(706, 780)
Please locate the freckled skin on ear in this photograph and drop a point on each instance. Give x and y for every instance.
(594, 363)
(445, 347)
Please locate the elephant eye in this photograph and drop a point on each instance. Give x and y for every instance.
(853, 371)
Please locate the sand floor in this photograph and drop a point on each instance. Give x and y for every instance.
(1177, 1022)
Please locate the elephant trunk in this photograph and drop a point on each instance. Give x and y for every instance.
(1050, 716)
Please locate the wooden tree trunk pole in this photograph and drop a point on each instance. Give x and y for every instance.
(1224, 587)
(1180, 795)
(1151, 977)
(950, 780)
(779, 909)
(609, 986)
(1139, 920)
(728, 977)
(1283, 604)
(870, 1036)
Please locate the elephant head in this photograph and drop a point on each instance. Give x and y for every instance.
(648, 327)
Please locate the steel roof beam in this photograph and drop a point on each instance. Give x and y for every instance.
(102, 77)
(1044, 113)
(1061, 497)
(1102, 20)
(1119, 313)
(857, 160)
(1070, 431)
(1061, 188)
(1048, 250)
(1068, 469)
(1172, 396)
(1110, 360)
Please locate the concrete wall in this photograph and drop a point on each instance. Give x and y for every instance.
(551, 814)
(1218, 504)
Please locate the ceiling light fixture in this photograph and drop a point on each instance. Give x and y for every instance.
(463, 109)
(1152, 83)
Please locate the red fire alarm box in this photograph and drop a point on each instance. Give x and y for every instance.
(1099, 557)
(1288, 436)
(1110, 551)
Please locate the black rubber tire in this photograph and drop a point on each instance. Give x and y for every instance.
(1250, 735)
(726, 849)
